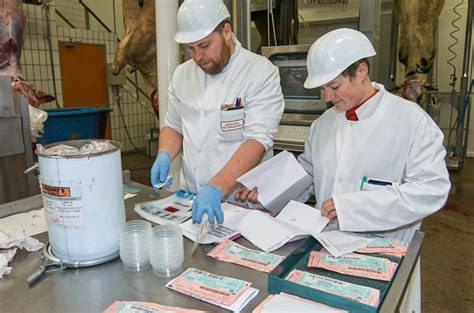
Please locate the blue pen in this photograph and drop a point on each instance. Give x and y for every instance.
(237, 102)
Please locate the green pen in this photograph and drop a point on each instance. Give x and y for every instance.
(364, 179)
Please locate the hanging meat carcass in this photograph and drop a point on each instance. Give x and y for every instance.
(416, 49)
(138, 47)
(12, 25)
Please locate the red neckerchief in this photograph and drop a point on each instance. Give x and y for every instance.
(351, 114)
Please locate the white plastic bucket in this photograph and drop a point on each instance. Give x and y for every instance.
(83, 202)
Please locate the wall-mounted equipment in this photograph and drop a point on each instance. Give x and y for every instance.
(302, 106)
(16, 154)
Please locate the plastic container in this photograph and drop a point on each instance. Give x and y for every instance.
(74, 123)
(134, 239)
(166, 250)
(83, 202)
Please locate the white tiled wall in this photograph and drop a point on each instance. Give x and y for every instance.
(138, 116)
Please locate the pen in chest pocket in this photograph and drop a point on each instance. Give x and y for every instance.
(367, 181)
(235, 105)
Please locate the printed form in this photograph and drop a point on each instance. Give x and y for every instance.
(389, 246)
(145, 307)
(339, 243)
(227, 292)
(232, 252)
(362, 294)
(283, 302)
(354, 265)
(218, 232)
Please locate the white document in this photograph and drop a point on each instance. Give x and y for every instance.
(295, 221)
(289, 303)
(304, 217)
(28, 223)
(339, 243)
(266, 232)
(243, 300)
(218, 232)
(279, 180)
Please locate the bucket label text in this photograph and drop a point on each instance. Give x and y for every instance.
(62, 203)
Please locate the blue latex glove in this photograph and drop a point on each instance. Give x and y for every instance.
(208, 200)
(160, 169)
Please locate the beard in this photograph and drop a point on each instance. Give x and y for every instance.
(215, 66)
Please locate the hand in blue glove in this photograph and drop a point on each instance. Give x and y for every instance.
(208, 200)
(160, 169)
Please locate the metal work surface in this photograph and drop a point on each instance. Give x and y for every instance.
(92, 289)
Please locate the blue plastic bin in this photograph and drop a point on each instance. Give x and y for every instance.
(74, 123)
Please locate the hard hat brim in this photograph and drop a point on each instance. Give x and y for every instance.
(318, 80)
(190, 37)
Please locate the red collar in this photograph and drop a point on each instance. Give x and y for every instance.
(351, 114)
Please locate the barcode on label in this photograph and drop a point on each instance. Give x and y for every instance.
(215, 290)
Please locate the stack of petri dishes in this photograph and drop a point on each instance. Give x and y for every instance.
(134, 239)
(166, 250)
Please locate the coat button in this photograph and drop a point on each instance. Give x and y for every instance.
(340, 179)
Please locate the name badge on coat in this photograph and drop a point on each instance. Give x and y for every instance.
(232, 121)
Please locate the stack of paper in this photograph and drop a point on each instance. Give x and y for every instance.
(339, 243)
(283, 302)
(384, 245)
(354, 264)
(229, 293)
(294, 222)
(362, 294)
(278, 179)
(144, 307)
(229, 251)
(218, 232)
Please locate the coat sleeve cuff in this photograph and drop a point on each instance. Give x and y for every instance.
(344, 224)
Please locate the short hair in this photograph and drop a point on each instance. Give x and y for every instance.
(352, 69)
(221, 25)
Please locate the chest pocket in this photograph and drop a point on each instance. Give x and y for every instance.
(232, 124)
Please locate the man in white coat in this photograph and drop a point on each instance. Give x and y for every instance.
(225, 105)
(377, 160)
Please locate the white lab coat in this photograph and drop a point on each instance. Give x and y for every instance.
(394, 140)
(210, 135)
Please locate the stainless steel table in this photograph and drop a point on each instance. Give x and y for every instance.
(94, 288)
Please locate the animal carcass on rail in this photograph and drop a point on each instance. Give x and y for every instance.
(138, 47)
(416, 50)
(12, 25)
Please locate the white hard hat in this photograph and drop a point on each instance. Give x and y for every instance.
(198, 18)
(332, 53)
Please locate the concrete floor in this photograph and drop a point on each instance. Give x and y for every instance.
(447, 256)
